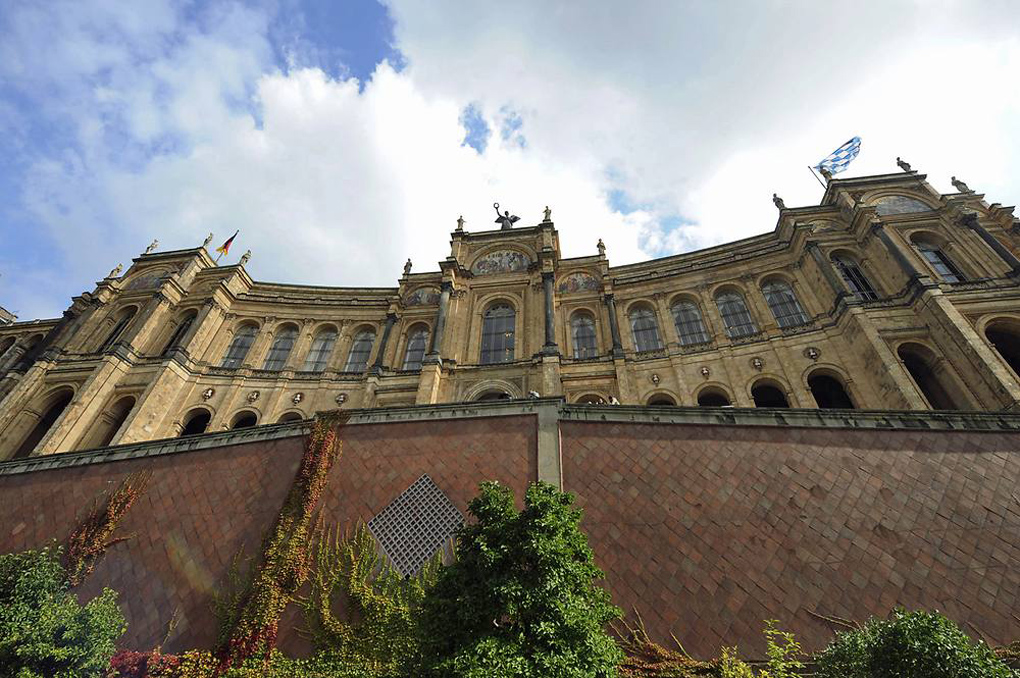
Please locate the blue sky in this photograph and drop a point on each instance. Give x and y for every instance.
(343, 137)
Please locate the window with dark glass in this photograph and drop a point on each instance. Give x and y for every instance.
(283, 344)
(939, 261)
(117, 330)
(240, 346)
(645, 329)
(736, 318)
(689, 325)
(178, 336)
(783, 304)
(582, 328)
(855, 278)
(321, 350)
(417, 342)
(361, 349)
(498, 334)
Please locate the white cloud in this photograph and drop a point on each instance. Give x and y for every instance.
(700, 112)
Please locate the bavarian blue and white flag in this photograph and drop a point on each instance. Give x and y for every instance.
(838, 160)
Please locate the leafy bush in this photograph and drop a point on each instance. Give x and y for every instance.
(909, 645)
(521, 599)
(783, 651)
(44, 631)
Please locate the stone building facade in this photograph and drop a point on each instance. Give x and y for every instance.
(887, 295)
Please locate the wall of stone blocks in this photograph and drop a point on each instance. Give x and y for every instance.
(709, 530)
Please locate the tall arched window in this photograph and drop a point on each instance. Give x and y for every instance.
(178, 336)
(689, 324)
(783, 303)
(854, 277)
(57, 404)
(118, 329)
(645, 329)
(321, 350)
(196, 421)
(283, 344)
(498, 334)
(735, 315)
(417, 342)
(1006, 339)
(107, 424)
(239, 346)
(939, 261)
(765, 394)
(582, 332)
(829, 392)
(930, 378)
(361, 349)
(713, 397)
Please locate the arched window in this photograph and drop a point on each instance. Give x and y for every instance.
(289, 417)
(930, 379)
(361, 349)
(239, 347)
(490, 396)
(283, 343)
(854, 278)
(244, 419)
(661, 400)
(713, 397)
(498, 334)
(195, 422)
(829, 392)
(57, 404)
(735, 315)
(321, 350)
(1006, 341)
(118, 329)
(178, 336)
(107, 424)
(783, 303)
(645, 329)
(939, 261)
(765, 394)
(591, 399)
(582, 331)
(689, 324)
(417, 342)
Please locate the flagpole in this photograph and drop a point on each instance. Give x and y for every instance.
(812, 170)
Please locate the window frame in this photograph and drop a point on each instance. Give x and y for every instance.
(638, 314)
(691, 331)
(725, 301)
(493, 351)
(854, 277)
(234, 358)
(586, 346)
(362, 344)
(415, 362)
(317, 358)
(281, 348)
(787, 311)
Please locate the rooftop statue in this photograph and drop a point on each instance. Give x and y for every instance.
(778, 202)
(153, 245)
(960, 186)
(904, 165)
(505, 219)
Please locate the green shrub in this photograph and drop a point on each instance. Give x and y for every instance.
(520, 600)
(44, 631)
(909, 645)
(783, 652)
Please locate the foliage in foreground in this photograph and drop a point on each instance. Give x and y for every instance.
(380, 632)
(520, 600)
(44, 631)
(909, 645)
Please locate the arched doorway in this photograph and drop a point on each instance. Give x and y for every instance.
(829, 392)
(244, 419)
(661, 400)
(1006, 340)
(289, 417)
(55, 406)
(107, 424)
(713, 397)
(490, 396)
(767, 394)
(930, 377)
(196, 422)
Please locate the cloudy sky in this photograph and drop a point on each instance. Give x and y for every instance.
(343, 136)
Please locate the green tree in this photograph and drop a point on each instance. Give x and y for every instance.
(909, 645)
(44, 631)
(520, 601)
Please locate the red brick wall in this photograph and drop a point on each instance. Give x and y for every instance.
(707, 531)
(202, 507)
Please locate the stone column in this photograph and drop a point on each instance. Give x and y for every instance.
(391, 320)
(614, 326)
(838, 288)
(970, 220)
(436, 340)
(550, 347)
(913, 273)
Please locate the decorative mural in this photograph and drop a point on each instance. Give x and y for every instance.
(423, 296)
(899, 204)
(501, 261)
(148, 279)
(578, 282)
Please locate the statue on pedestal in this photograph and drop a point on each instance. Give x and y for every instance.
(505, 219)
(153, 245)
(778, 202)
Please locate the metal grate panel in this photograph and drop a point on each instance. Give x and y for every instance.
(415, 525)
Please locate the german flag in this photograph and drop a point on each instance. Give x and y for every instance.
(225, 247)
